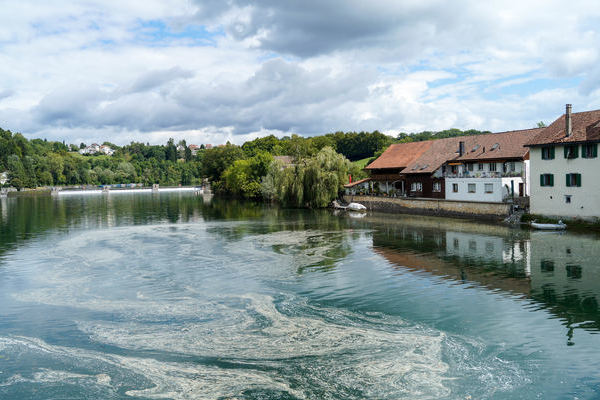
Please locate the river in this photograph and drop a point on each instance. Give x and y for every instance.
(176, 296)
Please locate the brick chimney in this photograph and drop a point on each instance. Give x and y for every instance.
(568, 124)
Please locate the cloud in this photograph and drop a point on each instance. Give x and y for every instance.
(154, 79)
(241, 68)
(6, 93)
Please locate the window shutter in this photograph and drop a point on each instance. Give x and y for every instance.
(568, 180)
(595, 150)
(576, 151)
(566, 149)
(552, 152)
(578, 179)
(551, 176)
(542, 180)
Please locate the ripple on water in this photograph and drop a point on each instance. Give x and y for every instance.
(191, 296)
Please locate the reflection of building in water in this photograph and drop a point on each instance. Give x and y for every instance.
(559, 271)
(493, 261)
(565, 273)
(493, 248)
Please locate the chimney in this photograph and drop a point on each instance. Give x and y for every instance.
(568, 124)
(461, 148)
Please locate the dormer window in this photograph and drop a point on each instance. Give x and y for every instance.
(589, 150)
(495, 146)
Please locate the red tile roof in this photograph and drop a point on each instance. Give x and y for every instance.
(488, 147)
(400, 155)
(349, 185)
(585, 127)
(432, 154)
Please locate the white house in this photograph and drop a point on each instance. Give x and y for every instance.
(96, 148)
(565, 168)
(492, 168)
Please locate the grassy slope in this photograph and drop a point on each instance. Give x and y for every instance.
(362, 163)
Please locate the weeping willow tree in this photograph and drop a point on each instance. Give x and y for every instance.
(312, 182)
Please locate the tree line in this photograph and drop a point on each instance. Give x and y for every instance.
(312, 175)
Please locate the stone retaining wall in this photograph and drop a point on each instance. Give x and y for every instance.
(449, 208)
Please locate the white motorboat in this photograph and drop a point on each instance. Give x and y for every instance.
(549, 227)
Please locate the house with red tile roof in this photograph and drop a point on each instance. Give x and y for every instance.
(488, 167)
(385, 170)
(565, 168)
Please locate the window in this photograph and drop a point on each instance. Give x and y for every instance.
(480, 166)
(574, 180)
(546, 180)
(455, 187)
(454, 169)
(572, 151)
(471, 188)
(512, 166)
(470, 167)
(548, 153)
(573, 271)
(589, 150)
(547, 265)
(493, 167)
(416, 187)
(568, 198)
(437, 186)
(489, 188)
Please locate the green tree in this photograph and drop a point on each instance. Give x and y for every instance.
(171, 151)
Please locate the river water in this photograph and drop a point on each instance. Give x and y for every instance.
(173, 296)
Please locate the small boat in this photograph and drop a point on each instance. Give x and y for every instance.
(553, 227)
(356, 207)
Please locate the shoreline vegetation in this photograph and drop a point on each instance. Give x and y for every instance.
(293, 171)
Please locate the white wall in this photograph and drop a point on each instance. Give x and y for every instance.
(498, 193)
(585, 200)
(527, 167)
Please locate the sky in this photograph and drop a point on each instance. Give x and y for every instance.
(211, 71)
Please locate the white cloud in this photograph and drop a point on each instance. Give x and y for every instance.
(147, 70)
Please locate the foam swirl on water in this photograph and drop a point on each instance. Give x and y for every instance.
(196, 319)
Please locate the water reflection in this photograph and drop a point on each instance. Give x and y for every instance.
(560, 271)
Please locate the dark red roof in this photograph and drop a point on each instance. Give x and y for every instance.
(488, 147)
(585, 127)
(432, 154)
(349, 185)
(399, 155)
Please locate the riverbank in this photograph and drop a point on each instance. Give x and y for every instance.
(435, 207)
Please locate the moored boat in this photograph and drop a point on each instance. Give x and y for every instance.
(559, 226)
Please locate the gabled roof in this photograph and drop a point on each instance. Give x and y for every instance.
(501, 145)
(400, 155)
(349, 185)
(488, 147)
(427, 156)
(585, 127)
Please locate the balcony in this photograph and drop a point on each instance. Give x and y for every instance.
(486, 174)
